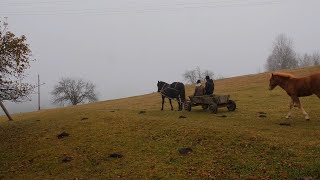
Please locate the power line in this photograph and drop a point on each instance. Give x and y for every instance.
(24, 3)
(148, 3)
(182, 6)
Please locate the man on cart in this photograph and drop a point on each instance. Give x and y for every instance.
(199, 90)
(209, 87)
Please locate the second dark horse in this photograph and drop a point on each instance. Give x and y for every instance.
(175, 90)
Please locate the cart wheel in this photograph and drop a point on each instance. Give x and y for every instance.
(205, 106)
(231, 105)
(187, 106)
(213, 108)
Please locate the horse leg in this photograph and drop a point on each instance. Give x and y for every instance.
(171, 104)
(290, 108)
(179, 103)
(306, 116)
(162, 103)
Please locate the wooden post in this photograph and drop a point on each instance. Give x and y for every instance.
(5, 110)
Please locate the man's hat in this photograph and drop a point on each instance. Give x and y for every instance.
(198, 81)
(207, 77)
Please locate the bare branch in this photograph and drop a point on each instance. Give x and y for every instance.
(74, 91)
(191, 76)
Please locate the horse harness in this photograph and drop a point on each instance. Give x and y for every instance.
(168, 87)
(162, 89)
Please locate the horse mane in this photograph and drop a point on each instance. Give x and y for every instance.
(282, 74)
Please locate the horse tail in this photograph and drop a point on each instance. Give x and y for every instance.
(183, 94)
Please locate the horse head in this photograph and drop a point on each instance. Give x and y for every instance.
(279, 78)
(160, 85)
(273, 82)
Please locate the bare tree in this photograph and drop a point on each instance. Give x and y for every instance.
(14, 60)
(305, 60)
(207, 73)
(283, 55)
(191, 76)
(74, 91)
(316, 58)
(219, 77)
(309, 59)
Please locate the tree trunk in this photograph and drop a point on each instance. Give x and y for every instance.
(5, 110)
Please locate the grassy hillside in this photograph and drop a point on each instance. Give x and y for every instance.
(239, 146)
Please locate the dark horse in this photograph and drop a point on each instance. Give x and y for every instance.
(296, 87)
(172, 91)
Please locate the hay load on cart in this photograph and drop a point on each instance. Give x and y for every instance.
(211, 102)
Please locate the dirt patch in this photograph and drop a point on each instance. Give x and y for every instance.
(67, 159)
(222, 116)
(31, 160)
(116, 155)
(284, 124)
(182, 117)
(262, 114)
(185, 151)
(63, 135)
(142, 112)
(84, 119)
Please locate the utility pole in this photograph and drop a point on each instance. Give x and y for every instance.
(38, 92)
(39, 107)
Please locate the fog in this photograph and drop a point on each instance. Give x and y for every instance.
(126, 46)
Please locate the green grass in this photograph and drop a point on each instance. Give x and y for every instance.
(240, 146)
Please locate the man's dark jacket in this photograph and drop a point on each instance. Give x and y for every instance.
(209, 88)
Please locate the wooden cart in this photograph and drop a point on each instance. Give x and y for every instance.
(211, 102)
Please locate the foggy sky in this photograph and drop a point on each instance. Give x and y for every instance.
(126, 46)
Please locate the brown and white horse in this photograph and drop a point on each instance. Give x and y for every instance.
(296, 87)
